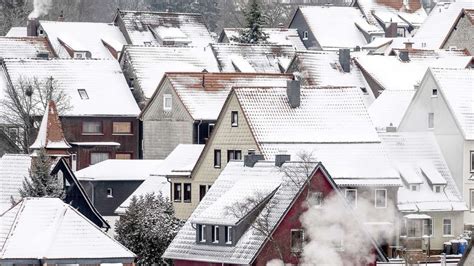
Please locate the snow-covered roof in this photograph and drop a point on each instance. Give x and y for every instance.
(439, 22)
(153, 184)
(180, 162)
(16, 32)
(230, 187)
(457, 88)
(14, 168)
(418, 158)
(204, 94)
(24, 47)
(107, 91)
(120, 170)
(149, 63)
(266, 58)
(281, 36)
(336, 27)
(325, 115)
(402, 12)
(84, 36)
(48, 229)
(146, 27)
(50, 134)
(389, 108)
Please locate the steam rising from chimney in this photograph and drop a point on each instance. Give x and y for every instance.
(41, 8)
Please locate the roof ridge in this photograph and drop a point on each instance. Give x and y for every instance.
(160, 12)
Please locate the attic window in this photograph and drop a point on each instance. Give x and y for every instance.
(109, 193)
(234, 119)
(434, 92)
(167, 102)
(305, 35)
(430, 120)
(415, 187)
(297, 239)
(83, 94)
(315, 199)
(437, 189)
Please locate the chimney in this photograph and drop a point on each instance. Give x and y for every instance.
(408, 45)
(293, 91)
(391, 31)
(404, 57)
(281, 158)
(345, 59)
(61, 16)
(32, 27)
(251, 159)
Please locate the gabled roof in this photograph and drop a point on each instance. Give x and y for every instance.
(266, 58)
(46, 230)
(280, 36)
(83, 36)
(337, 27)
(102, 81)
(24, 47)
(180, 162)
(119, 170)
(468, 13)
(456, 86)
(388, 109)
(439, 22)
(386, 11)
(204, 94)
(144, 27)
(418, 154)
(149, 63)
(16, 32)
(14, 168)
(50, 134)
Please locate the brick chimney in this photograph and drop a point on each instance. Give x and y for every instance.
(282, 158)
(345, 59)
(293, 92)
(251, 159)
(391, 31)
(408, 45)
(32, 27)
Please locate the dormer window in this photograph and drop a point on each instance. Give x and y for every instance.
(228, 234)
(215, 234)
(434, 92)
(437, 189)
(202, 233)
(415, 187)
(83, 94)
(305, 35)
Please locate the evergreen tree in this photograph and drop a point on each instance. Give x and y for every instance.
(40, 183)
(254, 23)
(148, 227)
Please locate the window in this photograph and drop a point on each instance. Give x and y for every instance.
(380, 198)
(177, 192)
(202, 192)
(297, 238)
(202, 233)
(217, 158)
(187, 192)
(167, 102)
(305, 35)
(430, 120)
(123, 156)
(228, 234)
(210, 129)
(414, 187)
(447, 227)
(434, 92)
(234, 155)
(472, 161)
(471, 192)
(428, 227)
(109, 193)
(215, 234)
(92, 128)
(97, 157)
(79, 55)
(437, 189)
(315, 199)
(13, 133)
(122, 127)
(234, 119)
(351, 197)
(83, 94)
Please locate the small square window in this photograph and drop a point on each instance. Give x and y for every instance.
(414, 187)
(297, 239)
(315, 199)
(434, 92)
(109, 193)
(430, 120)
(177, 192)
(122, 127)
(167, 102)
(83, 94)
(380, 198)
(92, 127)
(234, 119)
(437, 189)
(217, 158)
(187, 192)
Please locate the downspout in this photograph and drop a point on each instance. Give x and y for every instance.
(198, 131)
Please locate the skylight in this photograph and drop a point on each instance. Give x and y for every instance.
(83, 94)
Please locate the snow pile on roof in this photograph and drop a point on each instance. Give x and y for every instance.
(280, 36)
(180, 162)
(438, 24)
(417, 157)
(223, 193)
(457, 88)
(47, 229)
(102, 80)
(50, 134)
(336, 27)
(145, 27)
(25, 47)
(14, 168)
(389, 108)
(83, 36)
(326, 115)
(113, 169)
(149, 63)
(266, 58)
(204, 94)
(403, 12)
(16, 32)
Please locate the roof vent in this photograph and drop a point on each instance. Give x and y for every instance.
(251, 159)
(293, 91)
(404, 56)
(345, 59)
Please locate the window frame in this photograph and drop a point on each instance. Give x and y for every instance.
(92, 133)
(296, 249)
(185, 185)
(234, 118)
(416, 186)
(110, 193)
(202, 233)
(177, 187)
(431, 120)
(354, 204)
(385, 198)
(98, 152)
(471, 200)
(217, 158)
(435, 187)
(201, 189)
(234, 153)
(124, 153)
(130, 132)
(215, 234)
(305, 35)
(450, 227)
(423, 227)
(167, 96)
(319, 196)
(434, 92)
(471, 157)
(83, 94)
(228, 235)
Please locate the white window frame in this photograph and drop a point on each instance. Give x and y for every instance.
(215, 228)
(202, 233)
(431, 121)
(471, 166)
(450, 227)
(229, 235)
(313, 199)
(434, 92)
(305, 35)
(166, 98)
(110, 193)
(386, 198)
(234, 118)
(354, 204)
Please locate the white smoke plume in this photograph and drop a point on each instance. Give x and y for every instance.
(336, 238)
(275, 262)
(41, 8)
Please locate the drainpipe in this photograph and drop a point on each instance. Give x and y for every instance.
(198, 131)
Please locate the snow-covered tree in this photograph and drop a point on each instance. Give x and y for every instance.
(253, 32)
(148, 227)
(40, 183)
